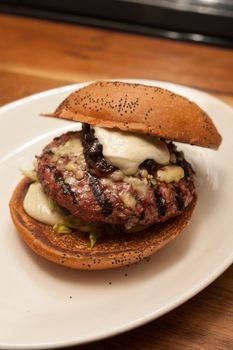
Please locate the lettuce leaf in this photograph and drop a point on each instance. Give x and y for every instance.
(62, 229)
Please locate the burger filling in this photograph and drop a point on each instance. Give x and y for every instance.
(101, 180)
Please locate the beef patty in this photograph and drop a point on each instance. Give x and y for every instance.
(97, 191)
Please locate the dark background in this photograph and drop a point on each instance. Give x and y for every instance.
(201, 21)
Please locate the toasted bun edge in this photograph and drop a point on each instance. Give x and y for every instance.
(73, 250)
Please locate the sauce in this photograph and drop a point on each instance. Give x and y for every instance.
(40, 207)
(127, 151)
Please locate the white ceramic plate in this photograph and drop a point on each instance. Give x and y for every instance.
(43, 305)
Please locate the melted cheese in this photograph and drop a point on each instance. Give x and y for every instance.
(40, 207)
(127, 150)
(171, 173)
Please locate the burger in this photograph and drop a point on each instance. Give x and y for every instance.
(116, 191)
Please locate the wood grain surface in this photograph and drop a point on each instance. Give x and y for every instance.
(38, 55)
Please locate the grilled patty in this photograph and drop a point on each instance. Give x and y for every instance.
(74, 173)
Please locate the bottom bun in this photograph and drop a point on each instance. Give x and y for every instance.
(73, 249)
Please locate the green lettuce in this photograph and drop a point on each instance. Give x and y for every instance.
(70, 222)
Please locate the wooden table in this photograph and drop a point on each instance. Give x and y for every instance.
(38, 55)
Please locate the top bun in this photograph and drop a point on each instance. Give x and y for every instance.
(142, 109)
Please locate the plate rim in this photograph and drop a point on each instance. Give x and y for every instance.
(191, 292)
(66, 88)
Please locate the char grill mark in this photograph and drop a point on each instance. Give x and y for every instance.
(104, 203)
(160, 201)
(93, 153)
(178, 197)
(65, 187)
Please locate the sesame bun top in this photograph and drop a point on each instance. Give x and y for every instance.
(142, 109)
